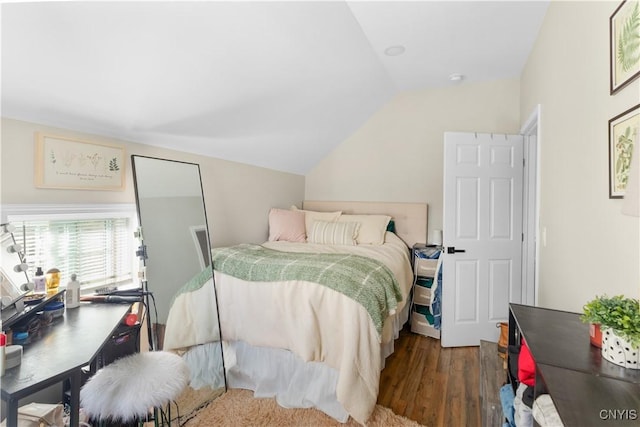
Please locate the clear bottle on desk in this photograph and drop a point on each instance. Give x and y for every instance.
(39, 281)
(73, 293)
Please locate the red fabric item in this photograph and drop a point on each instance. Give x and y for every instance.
(526, 366)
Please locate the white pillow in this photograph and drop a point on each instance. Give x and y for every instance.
(372, 227)
(312, 216)
(333, 233)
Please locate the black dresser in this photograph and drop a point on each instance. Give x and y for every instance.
(586, 389)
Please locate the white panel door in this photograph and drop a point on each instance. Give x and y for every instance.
(482, 234)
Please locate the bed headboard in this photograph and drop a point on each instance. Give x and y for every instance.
(410, 218)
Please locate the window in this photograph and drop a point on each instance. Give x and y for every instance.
(97, 246)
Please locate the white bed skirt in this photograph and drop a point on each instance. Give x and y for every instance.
(294, 383)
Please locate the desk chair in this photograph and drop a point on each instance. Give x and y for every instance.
(125, 390)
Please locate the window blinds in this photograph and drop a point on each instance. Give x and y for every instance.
(98, 251)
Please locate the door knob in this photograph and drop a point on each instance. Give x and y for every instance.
(452, 250)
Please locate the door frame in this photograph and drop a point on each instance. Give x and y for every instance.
(531, 130)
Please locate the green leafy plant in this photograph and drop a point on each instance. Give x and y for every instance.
(629, 41)
(624, 147)
(618, 313)
(113, 165)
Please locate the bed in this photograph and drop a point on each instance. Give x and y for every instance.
(293, 325)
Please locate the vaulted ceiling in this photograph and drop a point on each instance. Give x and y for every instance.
(272, 84)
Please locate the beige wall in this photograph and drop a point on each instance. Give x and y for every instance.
(397, 156)
(237, 196)
(591, 247)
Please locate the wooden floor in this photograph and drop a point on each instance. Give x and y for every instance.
(431, 385)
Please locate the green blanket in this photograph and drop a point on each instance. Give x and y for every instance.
(365, 280)
(195, 283)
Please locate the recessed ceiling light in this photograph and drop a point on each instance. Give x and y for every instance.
(456, 77)
(394, 50)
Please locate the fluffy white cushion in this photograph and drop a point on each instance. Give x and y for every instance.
(312, 216)
(287, 225)
(333, 233)
(128, 387)
(372, 227)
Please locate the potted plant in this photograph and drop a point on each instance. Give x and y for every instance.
(619, 319)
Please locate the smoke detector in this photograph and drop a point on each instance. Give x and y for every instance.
(394, 50)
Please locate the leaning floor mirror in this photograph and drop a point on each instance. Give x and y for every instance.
(178, 275)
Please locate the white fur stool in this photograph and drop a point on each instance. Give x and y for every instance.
(126, 389)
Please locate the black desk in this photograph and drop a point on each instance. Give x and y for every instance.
(585, 400)
(580, 382)
(560, 338)
(70, 344)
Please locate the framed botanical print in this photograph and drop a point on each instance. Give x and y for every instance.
(624, 39)
(66, 163)
(622, 132)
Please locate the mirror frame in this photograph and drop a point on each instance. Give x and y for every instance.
(198, 241)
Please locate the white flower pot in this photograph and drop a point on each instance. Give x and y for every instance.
(619, 351)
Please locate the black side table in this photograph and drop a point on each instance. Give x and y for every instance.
(586, 389)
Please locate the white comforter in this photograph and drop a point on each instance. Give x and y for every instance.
(315, 322)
